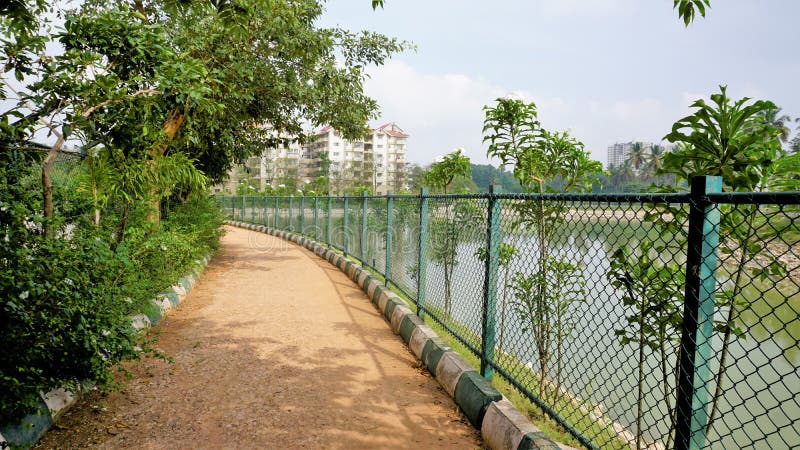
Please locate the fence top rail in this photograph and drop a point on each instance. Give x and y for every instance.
(757, 198)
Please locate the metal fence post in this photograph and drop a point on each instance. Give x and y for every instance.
(302, 214)
(422, 260)
(329, 223)
(264, 205)
(276, 213)
(252, 210)
(243, 209)
(490, 281)
(291, 207)
(316, 216)
(344, 227)
(389, 235)
(363, 227)
(698, 314)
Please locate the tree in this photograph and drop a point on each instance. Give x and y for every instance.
(457, 222)
(193, 77)
(638, 155)
(655, 160)
(731, 140)
(774, 119)
(451, 167)
(542, 299)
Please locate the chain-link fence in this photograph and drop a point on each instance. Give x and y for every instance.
(634, 321)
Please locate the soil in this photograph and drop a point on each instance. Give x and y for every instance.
(274, 348)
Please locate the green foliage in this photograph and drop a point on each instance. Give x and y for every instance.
(484, 175)
(725, 139)
(542, 301)
(653, 292)
(451, 167)
(544, 162)
(688, 9)
(65, 312)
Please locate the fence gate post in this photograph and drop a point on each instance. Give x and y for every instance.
(363, 227)
(344, 227)
(490, 281)
(698, 315)
(387, 271)
(302, 214)
(330, 222)
(316, 216)
(422, 260)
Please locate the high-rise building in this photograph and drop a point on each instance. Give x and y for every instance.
(378, 161)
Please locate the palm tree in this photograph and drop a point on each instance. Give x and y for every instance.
(773, 118)
(637, 155)
(655, 161)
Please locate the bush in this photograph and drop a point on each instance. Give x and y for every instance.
(65, 302)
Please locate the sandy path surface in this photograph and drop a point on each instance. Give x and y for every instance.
(274, 348)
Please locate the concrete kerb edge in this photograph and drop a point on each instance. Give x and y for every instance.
(502, 426)
(56, 402)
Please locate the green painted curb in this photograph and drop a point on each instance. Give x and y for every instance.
(537, 441)
(432, 353)
(377, 294)
(366, 282)
(473, 395)
(173, 298)
(391, 304)
(408, 325)
(30, 429)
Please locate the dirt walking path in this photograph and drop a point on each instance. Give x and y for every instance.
(274, 349)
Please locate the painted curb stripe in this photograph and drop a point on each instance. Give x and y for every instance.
(432, 353)
(449, 371)
(391, 304)
(419, 338)
(399, 313)
(409, 326)
(474, 395)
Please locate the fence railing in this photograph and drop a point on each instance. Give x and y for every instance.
(634, 321)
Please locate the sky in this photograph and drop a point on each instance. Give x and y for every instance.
(608, 70)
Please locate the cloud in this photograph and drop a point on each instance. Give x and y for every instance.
(442, 112)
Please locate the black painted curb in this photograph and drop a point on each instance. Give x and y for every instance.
(502, 426)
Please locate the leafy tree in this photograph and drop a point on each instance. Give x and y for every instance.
(638, 155)
(457, 222)
(774, 119)
(506, 253)
(654, 293)
(442, 173)
(727, 139)
(192, 77)
(539, 157)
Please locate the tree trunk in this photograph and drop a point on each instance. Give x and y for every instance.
(47, 185)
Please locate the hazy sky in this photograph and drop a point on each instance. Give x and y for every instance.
(609, 70)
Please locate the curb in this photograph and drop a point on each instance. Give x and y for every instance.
(502, 426)
(56, 402)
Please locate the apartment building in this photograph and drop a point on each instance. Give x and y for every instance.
(377, 161)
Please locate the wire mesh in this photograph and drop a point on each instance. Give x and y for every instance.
(590, 300)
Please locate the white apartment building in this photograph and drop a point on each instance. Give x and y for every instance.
(378, 161)
(274, 167)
